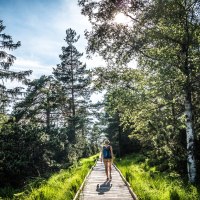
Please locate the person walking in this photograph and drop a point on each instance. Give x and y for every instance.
(106, 155)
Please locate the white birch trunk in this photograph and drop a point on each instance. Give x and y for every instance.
(191, 164)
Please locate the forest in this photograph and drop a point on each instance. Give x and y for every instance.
(51, 123)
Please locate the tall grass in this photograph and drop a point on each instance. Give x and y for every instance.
(60, 186)
(149, 184)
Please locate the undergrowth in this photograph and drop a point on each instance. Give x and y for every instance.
(150, 184)
(60, 186)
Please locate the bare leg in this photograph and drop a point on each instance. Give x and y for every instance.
(109, 169)
(106, 168)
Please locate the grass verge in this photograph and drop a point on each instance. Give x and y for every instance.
(149, 184)
(60, 186)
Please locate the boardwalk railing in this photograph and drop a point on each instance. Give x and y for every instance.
(96, 187)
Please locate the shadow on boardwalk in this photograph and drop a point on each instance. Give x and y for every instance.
(105, 187)
(96, 187)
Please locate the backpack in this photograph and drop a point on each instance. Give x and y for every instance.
(106, 152)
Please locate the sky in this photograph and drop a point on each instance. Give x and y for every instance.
(41, 26)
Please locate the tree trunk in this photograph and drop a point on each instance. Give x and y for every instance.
(48, 111)
(119, 133)
(173, 108)
(72, 89)
(73, 101)
(191, 163)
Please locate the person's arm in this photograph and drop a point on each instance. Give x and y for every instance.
(100, 156)
(112, 155)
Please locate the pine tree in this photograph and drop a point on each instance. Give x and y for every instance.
(42, 103)
(6, 61)
(72, 75)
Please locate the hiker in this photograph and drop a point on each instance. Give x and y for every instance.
(106, 155)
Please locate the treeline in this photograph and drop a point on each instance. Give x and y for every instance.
(157, 104)
(153, 108)
(50, 124)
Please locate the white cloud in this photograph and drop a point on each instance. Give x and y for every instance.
(38, 68)
(42, 35)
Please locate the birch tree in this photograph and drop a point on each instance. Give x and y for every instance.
(162, 35)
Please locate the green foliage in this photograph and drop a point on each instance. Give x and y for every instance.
(73, 77)
(42, 101)
(15, 166)
(74, 80)
(148, 183)
(163, 37)
(6, 61)
(50, 125)
(118, 135)
(149, 113)
(7, 192)
(144, 105)
(60, 186)
(3, 119)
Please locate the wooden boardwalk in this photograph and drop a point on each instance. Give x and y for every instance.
(96, 187)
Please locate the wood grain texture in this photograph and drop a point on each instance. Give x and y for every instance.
(97, 187)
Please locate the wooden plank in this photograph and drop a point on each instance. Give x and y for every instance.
(96, 187)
